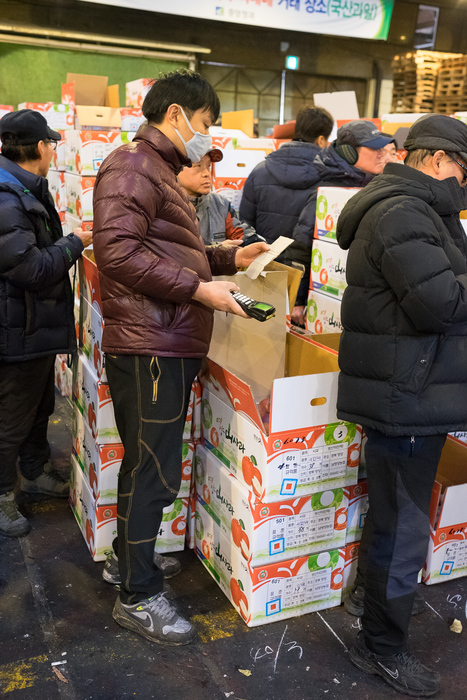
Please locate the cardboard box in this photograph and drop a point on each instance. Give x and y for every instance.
(4, 109)
(86, 150)
(268, 533)
(272, 592)
(89, 281)
(95, 403)
(73, 222)
(92, 325)
(57, 189)
(136, 91)
(328, 265)
(270, 421)
(79, 194)
(171, 536)
(63, 376)
(350, 567)
(357, 496)
(94, 103)
(59, 116)
(230, 174)
(190, 516)
(447, 551)
(98, 523)
(197, 397)
(59, 154)
(100, 464)
(329, 204)
(131, 118)
(323, 314)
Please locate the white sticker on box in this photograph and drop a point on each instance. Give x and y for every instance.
(297, 590)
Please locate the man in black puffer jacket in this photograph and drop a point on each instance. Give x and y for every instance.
(403, 361)
(36, 310)
(278, 188)
(352, 160)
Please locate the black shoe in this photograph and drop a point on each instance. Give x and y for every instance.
(168, 565)
(403, 671)
(353, 603)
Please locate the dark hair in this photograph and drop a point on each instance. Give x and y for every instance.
(311, 123)
(184, 88)
(417, 156)
(17, 153)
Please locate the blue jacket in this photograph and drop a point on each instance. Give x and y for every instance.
(36, 301)
(278, 189)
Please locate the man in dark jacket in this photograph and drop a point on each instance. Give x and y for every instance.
(158, 299)
(36, 310)
(403, 361)
(355, 157)
(278, 188)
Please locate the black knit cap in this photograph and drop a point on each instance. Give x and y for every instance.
(26, 127)
(438, 132)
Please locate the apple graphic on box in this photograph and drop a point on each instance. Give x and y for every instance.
(179, 525)
(92, 420)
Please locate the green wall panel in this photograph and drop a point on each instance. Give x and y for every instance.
(30, 74)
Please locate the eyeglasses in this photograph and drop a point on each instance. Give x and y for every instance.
(463, 168)
(53, 144)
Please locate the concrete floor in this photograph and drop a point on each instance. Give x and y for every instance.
(54, 607)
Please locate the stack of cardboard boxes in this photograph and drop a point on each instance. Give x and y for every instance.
(271, 511)
(328, 263)
(97, 450)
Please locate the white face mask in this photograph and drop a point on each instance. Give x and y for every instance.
(196, 147)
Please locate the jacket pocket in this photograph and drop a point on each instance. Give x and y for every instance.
(422, 367)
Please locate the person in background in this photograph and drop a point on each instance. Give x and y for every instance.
(391, 150)
(158, 299)
(278, 188)
(403, 373)
(352, 160)
(216, 216)
(36, 310)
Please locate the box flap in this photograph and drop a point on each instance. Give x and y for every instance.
(112, 98)
(241, 119)
(304, 355)
(231, 390)
(434, 502)
(453, 511)
(298, 402)
(89, 89)
(99, 117)
(253, 351)
(452, 467)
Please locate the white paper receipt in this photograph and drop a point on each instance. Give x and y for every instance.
(258, 265)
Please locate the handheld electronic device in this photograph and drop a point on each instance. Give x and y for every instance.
(256, 309)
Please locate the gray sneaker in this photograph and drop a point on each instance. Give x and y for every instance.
(156, 619)
(49, 483)
(168, 565)
(12, 523)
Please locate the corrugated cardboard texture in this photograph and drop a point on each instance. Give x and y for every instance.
(254, 351)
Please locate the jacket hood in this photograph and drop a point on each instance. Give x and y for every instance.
(292, 165)
(445, 197)
(332, 168)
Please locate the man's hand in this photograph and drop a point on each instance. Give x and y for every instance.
(216, 295)
(245, 256)
(85, 236)
(299, 316)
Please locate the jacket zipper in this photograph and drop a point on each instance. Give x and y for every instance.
(155, 382)
(412, 445)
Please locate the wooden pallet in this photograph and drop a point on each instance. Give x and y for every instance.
(450, 105)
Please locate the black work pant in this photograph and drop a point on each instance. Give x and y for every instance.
(401, 474)
(27, 399)
(150, 396)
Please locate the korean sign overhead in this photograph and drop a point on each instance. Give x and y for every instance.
(365, 19)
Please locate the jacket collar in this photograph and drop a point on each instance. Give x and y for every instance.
(10, 182)
(37, 185)
(164, 146)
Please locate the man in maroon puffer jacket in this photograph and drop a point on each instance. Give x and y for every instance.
(158, 299)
